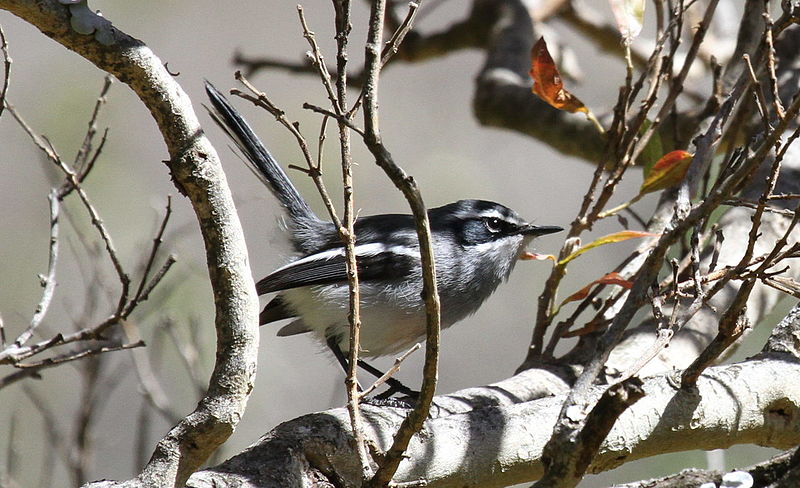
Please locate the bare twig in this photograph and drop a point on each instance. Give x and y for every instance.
(773, 78)
(157, 241)
(344, 119)
(399, 34)
(253, 65)
(101, 229)
(33, 369)
(74, 181)
(6, 69)
(72, 356)
(663, 336)
(319, 62)
(48, 280)
(157, 277)
(391, 371)
(347, 230)
(761, 99)
(82, 158)
(413, 422)
(732, 325)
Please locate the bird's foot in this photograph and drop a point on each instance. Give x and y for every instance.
(406, 403)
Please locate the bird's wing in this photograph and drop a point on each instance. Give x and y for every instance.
(275, 310)
(375, 261)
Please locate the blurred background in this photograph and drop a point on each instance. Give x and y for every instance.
(426, 122)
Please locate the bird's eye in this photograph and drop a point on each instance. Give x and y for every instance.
(493, 224)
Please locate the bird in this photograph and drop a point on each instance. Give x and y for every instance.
(476, 245)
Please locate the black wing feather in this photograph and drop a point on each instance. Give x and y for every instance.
(385, 265)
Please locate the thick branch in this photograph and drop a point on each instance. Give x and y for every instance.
(197, 173)
(754, 402)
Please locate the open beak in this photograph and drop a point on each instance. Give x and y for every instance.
(540, 230)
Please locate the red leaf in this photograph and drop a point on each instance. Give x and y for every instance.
(533, 256)
(547, 81)
(612, 278)
(667, 172)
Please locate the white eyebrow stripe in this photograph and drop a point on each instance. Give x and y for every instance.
(493, 213)
(484, 214)
(361, 250)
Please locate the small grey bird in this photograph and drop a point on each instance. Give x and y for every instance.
(476, 245)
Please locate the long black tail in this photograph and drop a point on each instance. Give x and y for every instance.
(258, 157)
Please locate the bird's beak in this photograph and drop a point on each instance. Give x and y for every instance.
(540, 230)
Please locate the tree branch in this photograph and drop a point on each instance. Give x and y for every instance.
(753, 402)
(197, 173)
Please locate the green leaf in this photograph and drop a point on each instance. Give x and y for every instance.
(652, 151)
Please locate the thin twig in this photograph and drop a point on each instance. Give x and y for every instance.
(101, 229)
(318, 61)
(761, 99)
(6, 69)
(413, 422)
(48, 280)
(391, 371)
(397, 38)
(343, 119)
(390, 49)
(773, 78)
(152, 284)
(754, 205)
(72, 356)
(732, 325)
(323, 126)
(74, 181)
(157, 241)
(80, 163)
(252, 65)
(347, 230)
(28, 370)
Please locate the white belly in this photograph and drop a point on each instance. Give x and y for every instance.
(385, 329)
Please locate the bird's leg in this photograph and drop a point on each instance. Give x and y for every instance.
(395, 386)
(337, 352)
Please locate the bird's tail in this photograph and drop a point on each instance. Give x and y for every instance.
(258, 157)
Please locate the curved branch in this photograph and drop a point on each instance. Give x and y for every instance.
(196, 171)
